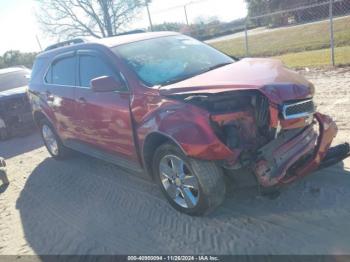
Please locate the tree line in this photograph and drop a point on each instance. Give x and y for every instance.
(259, 7)
(16, 58)
(314, 10)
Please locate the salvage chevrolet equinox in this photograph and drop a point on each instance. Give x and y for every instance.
(181, 111)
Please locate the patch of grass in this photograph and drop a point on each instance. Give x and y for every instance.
(316, 58)
(290, 40)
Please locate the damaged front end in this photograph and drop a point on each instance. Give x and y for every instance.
(279, 142)
(15, 115)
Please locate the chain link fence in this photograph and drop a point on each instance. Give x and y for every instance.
(316, 34)
(193, 19)
(315, 27)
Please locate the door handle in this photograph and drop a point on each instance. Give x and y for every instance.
(82, 100)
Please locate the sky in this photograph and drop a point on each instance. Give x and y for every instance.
(19, 27)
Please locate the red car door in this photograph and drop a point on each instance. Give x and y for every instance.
(104, 117)
(60, 81)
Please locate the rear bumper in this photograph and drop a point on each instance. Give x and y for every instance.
(301, 155)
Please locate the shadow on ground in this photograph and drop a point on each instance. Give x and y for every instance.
(85, 206)
(20, 145)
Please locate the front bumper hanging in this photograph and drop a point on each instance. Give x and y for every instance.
(285, 166)
(324, 156)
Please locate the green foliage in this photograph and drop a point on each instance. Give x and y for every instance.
(203, 29)
(16, 58)
(262, 7)
(316, 58)
(2, 65)
(259, 7)
(177, 27)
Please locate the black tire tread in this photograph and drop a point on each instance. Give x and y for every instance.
(212, 182)
(4, 178)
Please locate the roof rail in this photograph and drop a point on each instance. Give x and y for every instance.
(65, 43)
(137, 31)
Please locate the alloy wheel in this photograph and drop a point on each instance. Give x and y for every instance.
(179, 182)
(50, 139)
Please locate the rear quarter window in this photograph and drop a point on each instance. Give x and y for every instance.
(38, 71)
(38, 65)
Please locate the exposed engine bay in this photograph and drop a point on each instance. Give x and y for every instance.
(15, 110)
(246, 120)
(15, 116)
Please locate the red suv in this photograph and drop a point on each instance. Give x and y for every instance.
(183, 112)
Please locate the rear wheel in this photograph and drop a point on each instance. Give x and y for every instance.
(52, 141)
(191, 186)
(4, 178)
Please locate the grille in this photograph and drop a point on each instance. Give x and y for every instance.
(300, 109)
(14, 105)
(262, 111)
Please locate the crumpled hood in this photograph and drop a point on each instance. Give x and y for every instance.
(19, 91)
(268, 76)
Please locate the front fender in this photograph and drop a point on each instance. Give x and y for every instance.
(189, 127)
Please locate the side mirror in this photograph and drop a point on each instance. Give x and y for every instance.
(106, 84)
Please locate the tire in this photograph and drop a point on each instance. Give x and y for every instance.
(193, 198)
(59, 151)
(4, 178)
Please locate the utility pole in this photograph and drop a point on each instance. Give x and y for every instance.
(185, 9)
(331, 26)
(246, 37)
(149, 16)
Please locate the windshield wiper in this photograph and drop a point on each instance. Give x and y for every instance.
(217, 66)
(179, 79)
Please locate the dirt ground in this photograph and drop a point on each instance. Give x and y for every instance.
(85, 206)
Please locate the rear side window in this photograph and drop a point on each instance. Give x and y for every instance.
(38, 66)
(62, 72)
(92, 67)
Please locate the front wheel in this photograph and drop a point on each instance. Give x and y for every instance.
(192, 186)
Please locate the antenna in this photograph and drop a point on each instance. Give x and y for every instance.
(38, 41)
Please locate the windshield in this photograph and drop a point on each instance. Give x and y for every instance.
(11, 78)
(166, 60)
